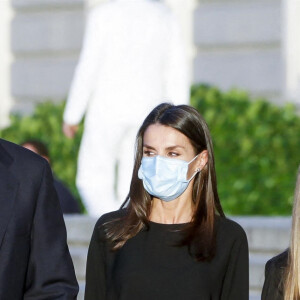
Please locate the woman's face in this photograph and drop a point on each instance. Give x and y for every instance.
(168, 142)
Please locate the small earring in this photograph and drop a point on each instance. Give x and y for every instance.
(198, 170)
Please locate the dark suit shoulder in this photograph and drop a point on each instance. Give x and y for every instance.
(14, 153)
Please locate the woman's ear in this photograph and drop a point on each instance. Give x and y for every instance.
(198, 164)
(202, 160)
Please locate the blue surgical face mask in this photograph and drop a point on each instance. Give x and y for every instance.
(165, 178)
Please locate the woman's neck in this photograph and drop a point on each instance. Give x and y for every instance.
(174, 212)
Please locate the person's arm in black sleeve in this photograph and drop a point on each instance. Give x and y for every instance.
(69, 205)
(95, 269)
(236, 281)
(50, 272)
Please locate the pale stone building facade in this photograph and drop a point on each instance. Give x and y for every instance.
(5, 62)
(253, 45)
(239, 44)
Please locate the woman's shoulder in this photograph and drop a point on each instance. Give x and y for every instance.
(229, 228)
(278, 262)
(274, 277)
(100, 228)
(110, 217)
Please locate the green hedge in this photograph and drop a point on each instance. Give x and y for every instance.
(256, 147)
(256, 150)
(45, 124)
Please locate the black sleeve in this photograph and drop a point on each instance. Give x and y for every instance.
(271, 289)
(50, 272)
(68, 203)
(236, 281)
(95, 269)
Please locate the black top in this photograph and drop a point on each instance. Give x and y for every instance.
(274, 276)
(150, 267)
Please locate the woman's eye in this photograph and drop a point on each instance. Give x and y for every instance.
(173, 154)
(148, 153)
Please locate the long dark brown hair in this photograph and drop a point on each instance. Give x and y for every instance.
(199, 235)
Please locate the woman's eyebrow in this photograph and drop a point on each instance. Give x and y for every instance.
(174, 147)
(168, 148)
(149, 147)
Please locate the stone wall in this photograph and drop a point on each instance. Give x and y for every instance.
(245, 44)
(46, 37)
(239, 44)
(5, 61)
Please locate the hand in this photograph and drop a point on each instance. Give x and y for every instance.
(69, 130)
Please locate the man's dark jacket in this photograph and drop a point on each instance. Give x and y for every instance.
(35, 262)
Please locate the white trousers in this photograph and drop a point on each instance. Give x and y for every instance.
(105, 166)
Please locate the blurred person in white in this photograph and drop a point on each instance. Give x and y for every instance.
(132, 58)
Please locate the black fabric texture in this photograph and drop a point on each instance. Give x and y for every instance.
(149, 266)
(68, 203)
(274, 277)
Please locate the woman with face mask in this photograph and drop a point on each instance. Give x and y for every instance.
(282, 272)
(171, 240)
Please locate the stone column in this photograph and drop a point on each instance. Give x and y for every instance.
(291, 38)
(5, 62)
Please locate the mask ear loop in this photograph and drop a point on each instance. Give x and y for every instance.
(193, 159)
(197, 170)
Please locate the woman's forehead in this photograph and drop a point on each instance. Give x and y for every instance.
(158, 135)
